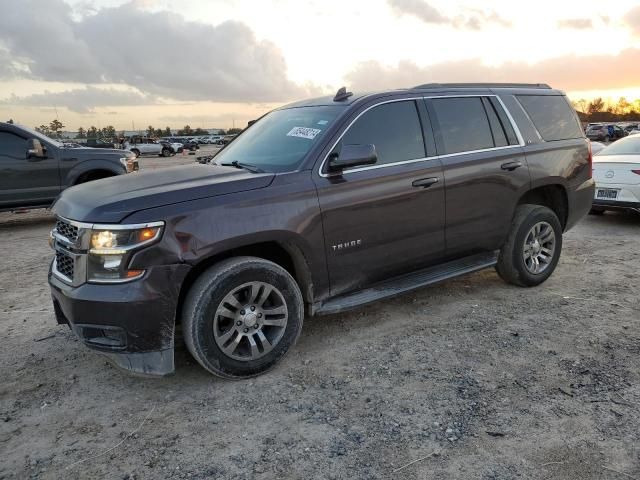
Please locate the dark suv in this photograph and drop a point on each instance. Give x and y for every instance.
(34, 168)
(318, 207)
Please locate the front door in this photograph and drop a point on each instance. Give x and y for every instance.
(23, 180)
(385, 219)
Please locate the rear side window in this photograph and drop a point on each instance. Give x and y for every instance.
(394, 128)
(12, 146)
(552, 116)
(464, 125)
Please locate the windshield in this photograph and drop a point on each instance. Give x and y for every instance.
(279, 141)
(624, 146)
(41, 137)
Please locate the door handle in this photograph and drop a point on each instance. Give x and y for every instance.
(511, 166)
(425, 182)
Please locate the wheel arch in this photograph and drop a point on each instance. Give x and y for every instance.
(286, 254)
(553, 196)
(94, 174)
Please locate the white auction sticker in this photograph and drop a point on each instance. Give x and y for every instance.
(304, 132)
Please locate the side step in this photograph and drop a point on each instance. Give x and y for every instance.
(406, 283)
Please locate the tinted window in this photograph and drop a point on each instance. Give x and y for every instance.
(552, 116)
(464, 125)
(12, 146)
(394, 128)
(499, 137)
(504, 121)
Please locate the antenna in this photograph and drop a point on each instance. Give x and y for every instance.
(342, 95)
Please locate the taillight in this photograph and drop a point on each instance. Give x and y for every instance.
(590, 160)
(637, 172)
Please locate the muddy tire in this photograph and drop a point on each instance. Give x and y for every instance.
(533, 247)
(241, 317)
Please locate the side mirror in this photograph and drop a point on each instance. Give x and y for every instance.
(34, 148)
(352, 156)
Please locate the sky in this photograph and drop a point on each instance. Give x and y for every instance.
(220, 63)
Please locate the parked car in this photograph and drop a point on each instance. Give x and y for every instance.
(174, 147)
(605, 133)
(99, 143)
(146, 146)
(187, 143)
(34, 168)
(616, 170)
(322, 206)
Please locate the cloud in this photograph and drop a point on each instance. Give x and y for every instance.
(472, 19)
(82, 100)
(568, 72)
(632, 18)
(577, 23)
(158, 53)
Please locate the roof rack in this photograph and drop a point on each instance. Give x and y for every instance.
(482, 85)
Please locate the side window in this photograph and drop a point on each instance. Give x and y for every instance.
(504, 121)
(499, 137)
(463, 123)
(394, 128)
(552, 116)
(12, 146)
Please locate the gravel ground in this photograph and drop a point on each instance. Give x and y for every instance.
(471, 378)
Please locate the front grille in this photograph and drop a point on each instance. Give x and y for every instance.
(64, 264)
(67, 230)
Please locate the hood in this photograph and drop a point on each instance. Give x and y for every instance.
(112, 199)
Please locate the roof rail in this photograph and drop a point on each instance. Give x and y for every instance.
(482, 85)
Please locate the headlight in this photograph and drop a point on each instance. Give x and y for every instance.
(129, 163)
(111, 250)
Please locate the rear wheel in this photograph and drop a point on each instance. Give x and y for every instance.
(136, 152)
(242, 316)
(532, 250)
(166, 152)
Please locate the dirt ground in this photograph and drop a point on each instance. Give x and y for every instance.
(469, 379)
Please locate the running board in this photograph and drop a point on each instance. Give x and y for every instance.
(406, 283)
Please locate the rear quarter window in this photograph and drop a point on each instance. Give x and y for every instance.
(552, 116)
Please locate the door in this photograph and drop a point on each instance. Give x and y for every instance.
(26, 181)
(385, 219)
(485, 170)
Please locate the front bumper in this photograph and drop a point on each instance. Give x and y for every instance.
(132, 323)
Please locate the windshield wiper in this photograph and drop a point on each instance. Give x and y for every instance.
(246, 166)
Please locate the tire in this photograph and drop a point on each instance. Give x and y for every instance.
(512, 265)
(165, 152)
(193, 148)
(212, 337)
(136, 152)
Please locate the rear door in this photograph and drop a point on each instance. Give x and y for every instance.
(26, 181)
(388, 218)
(485, 170)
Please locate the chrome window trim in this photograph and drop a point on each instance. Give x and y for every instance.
(109, 226)
(433, 157)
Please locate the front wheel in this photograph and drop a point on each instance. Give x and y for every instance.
(166, 152)
(533, 247)
(242, 316)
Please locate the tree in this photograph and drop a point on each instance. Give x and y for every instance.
(185, 131)
(56, 127)
(10, 121)
(200, 131)
(82, 133)
(108, 132)
(234, 131)
(580, 105)
(167, 132)
(43, 129)
(150, 131)
(596, 105)
(92, 132)
(157, 133)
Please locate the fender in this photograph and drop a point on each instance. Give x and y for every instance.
(84, 166)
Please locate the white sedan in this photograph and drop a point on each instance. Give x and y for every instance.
(616, 171)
